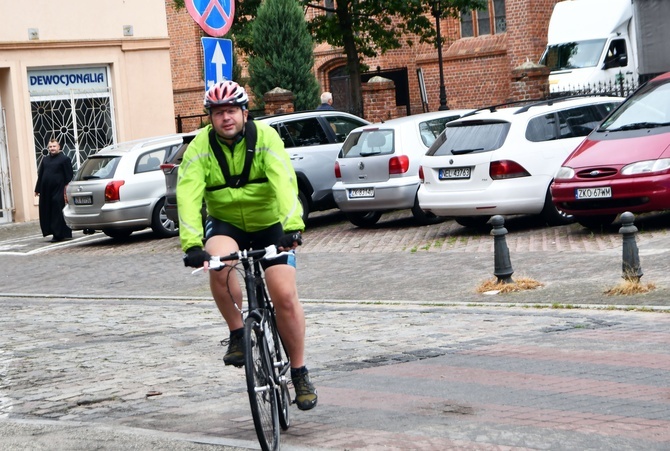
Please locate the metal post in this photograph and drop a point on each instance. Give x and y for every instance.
(502, 264)
(179, 127)
(630, 266)
(437, 13)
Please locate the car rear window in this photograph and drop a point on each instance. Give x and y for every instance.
(469, 137)
(431, 129)
(368, 142)
(98, 168)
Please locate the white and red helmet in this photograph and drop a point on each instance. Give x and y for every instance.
(226, 93)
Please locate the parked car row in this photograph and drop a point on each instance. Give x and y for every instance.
(583, 158)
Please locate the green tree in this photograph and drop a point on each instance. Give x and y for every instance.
(282, 53)
(367, 28)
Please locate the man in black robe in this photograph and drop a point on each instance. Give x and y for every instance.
(53, 175)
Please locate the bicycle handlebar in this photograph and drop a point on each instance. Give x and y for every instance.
(269, 253)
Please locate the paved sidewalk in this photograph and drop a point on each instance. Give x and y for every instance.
(117, 344)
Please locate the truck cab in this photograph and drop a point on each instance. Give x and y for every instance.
(590, 43)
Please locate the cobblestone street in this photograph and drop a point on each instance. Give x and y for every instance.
(118, 339)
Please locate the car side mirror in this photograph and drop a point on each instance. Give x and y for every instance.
(619, 61)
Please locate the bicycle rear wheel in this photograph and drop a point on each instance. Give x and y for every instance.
(261, 385)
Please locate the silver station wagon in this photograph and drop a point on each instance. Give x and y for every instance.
(121, 189)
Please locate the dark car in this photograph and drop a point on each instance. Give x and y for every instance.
(312, 139)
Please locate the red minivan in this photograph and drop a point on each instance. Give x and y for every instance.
(623, 165)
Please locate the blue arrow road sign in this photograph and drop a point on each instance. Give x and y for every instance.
(218, 60)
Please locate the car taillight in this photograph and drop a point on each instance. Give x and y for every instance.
(506, 169)
(421, 177)
(112, 191)
(167, 168)
(399, 165)
(338, 173)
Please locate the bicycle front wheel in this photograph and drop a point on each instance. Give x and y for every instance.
(261, 385)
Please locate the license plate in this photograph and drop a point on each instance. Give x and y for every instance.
(83, 200)
(593, 193)
(361, 192)
(454, 173)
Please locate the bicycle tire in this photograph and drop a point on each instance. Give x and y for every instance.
(280, 366)
(261, 385)
(284, 394)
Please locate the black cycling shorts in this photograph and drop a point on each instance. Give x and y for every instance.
(250, 240)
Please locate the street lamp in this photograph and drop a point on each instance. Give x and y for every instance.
(437, 13)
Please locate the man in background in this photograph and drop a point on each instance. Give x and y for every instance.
(54, 173)
(326, 102)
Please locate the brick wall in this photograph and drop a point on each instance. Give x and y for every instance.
(477, 71)
(278, 101)
(187, 65)
(379, 99)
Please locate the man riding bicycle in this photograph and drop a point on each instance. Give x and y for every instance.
(255, 207)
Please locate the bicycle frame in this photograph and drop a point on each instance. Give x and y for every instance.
(265, 366)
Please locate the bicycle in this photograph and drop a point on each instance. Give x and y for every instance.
(266, 360)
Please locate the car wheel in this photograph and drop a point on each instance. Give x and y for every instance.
(305, 206)
(595, 222)
(473, 222)
(552, 215)
(163, 226)
(117, 234)
(364, 219)
(424, 217)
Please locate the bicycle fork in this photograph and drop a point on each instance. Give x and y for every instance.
(266, 332)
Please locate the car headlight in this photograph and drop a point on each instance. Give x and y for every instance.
(565, 173)
(645, 167)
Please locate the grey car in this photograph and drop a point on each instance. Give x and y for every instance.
(121, 189)
(312, 139)
(378, 167)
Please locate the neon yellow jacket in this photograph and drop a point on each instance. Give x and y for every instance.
(252, 207)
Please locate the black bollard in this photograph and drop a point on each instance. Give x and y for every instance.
(631, 258)
(503, 266)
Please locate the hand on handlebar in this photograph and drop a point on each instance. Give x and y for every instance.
(196, 257)
(290, 240)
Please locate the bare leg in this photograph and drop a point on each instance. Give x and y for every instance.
(290, 315)
(224, 283)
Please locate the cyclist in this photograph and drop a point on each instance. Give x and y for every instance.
(254, 208)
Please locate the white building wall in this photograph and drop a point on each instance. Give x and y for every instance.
(54, 34)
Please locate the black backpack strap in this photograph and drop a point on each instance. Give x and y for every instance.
(236, 181)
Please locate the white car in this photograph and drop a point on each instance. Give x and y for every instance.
(377, 169)
(501, 161)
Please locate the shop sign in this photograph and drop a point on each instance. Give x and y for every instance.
(51, 81)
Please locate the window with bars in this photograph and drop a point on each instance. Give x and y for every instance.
(490, 20)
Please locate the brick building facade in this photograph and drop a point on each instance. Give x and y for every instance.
(478, 70)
